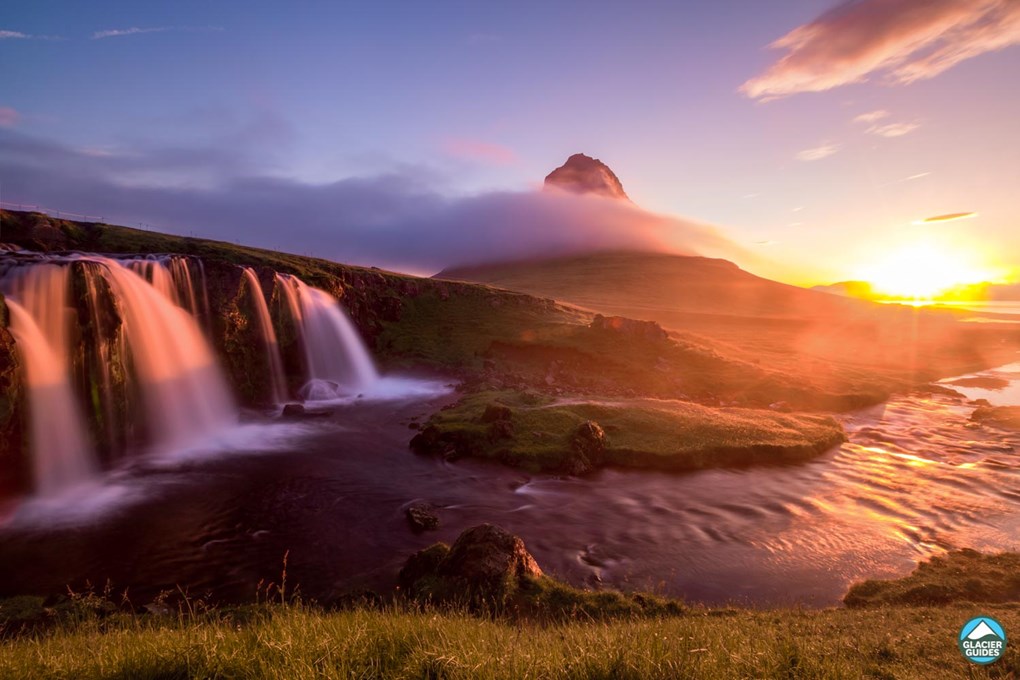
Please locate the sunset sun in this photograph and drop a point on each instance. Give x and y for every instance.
(922, 271)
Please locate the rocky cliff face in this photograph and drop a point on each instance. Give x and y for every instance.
(586, 175)
(13, 467)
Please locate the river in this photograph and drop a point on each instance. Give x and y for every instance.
(917, 478)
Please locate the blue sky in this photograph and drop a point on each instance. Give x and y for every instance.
(464, 99)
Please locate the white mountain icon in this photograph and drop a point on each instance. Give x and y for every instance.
(981, 630)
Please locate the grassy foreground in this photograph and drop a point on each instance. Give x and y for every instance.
(295, 641)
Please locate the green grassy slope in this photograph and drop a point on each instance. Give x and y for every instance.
(299, 642)
(536, 433)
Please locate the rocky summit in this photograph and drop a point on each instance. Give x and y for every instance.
(583, 174)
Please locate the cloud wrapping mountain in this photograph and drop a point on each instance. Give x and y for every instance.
(399, 220)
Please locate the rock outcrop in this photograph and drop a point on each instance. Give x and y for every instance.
(484, 568)
(588, 448)
(586, 175)
(422, 517)
(633, 328)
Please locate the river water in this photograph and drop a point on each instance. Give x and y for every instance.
(917, 478)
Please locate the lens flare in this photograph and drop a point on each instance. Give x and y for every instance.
(923, 271)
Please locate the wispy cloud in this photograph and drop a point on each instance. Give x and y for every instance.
(948, 217)
(477, 150)
(135, 30)
(819, 152)
(903, 40)
(885, 129)
(871, 116)
(18, 35)
(893, 129)
(9, 117)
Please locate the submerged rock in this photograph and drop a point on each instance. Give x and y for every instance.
(1005, 417)
(422, 517)
(299, 412)
(987, 382)
(484, 567)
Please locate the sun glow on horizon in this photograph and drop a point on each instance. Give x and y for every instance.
(923, 271)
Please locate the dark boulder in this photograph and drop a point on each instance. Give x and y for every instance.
(484, 569)
(422, 517)
(588, 447)
(299, 412)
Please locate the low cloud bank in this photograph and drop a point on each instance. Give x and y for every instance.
(397, 220)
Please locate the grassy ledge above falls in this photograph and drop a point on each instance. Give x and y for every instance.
(538, 432)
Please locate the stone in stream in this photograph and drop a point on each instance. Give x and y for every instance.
(298, 412)
(422, 517)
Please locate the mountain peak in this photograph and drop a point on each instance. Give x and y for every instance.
(583, 174)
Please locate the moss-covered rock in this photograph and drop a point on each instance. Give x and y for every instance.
(959, 576)
(14, 468)
(100, 364)
(574, 436)
(490, 570)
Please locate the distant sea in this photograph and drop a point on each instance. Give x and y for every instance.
(989, 307)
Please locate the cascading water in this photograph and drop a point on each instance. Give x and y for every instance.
(338, 361)
(115, 362)
(171, 275)
(278, 381)
(185, 394)
(167, 360)
(61, 456)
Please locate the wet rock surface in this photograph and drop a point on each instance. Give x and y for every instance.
(422, 516)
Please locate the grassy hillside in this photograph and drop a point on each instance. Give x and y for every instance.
(825, 338)
(509, 339)
(293, 641)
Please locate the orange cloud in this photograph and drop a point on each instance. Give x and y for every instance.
(905, 40)
(475, 150)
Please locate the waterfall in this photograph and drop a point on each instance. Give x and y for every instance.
(171, 275)
(185, 393)
(273, 361)
(115, 346)
(61, 453)
(337, 360)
